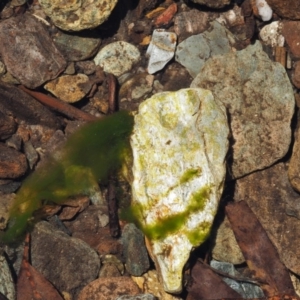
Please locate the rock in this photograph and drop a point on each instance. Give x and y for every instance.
(149, 284)
(24, 36)
(294, 164)
(264, 10)
(76, 47)
(160, 50)
(109, 270)
(7, 287)
(137, 297)
(76, 16)
(134, 250)
(73, 263)
(13, 164)
(23, 107)
(288, 9)
(271, 34)
(190, 23)
(225, 247)
(113, 260)
(296, 75)
(87, 67)
(117, 58)
(275, 204)
(179, 146)
(108, 289)
(6, 201)
(69, 88)
(8, 126)
(213, 3)
(260, 102)
(197, 49)
(291, 33)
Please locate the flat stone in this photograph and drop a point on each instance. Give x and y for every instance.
(138, 297)
(76, 47)
(213, 3)
(25, 37)
(134, 250)
(197, 49)
(272, 199)
(291, 33)
(108, 289)
(260, 102)
(69, 88)
(78, 264)
(117, 58)
(288, 9)
(179, 145)
(78, 15)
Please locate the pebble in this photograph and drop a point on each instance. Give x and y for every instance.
(8, 126)
(193, 52)
(87, 67)
(289, 9)
(117, 58)
(213, 3)
(291, 33)
(134, 250)
(294, 165)
(108, 289)
(69, 88)
(75, 47)
(28, 38)
(271, 34)
(296, 75)
(137, 297)
(76, 267)
(260, 103)
(78, 15)
(5, 204)
(110, 259)
(7, 287)
(161, 49)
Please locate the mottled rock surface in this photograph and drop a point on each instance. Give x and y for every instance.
(291, 33)
(213, 3)
(270, 196)
(73, 263)
(77, 15)
(260, 102)
(179, 144)
(289, 9)
(25, 37)
(294, 165)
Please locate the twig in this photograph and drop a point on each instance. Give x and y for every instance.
(112, 87)
(60, 106)
(114, 227)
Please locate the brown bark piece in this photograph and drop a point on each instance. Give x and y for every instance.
(205, 284)
(260, 254)
(17, 103)
(28, 51)
(13, 164)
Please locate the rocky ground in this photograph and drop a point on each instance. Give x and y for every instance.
(64, 65)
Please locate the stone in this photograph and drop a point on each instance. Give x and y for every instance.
(213, 3)
(160, 50)
(78, 15)
(7, 287)
(138, 297)
(134, 250)
(291, 33)
(296, 75)
(6, 200)
(260, 102)
(288, 9)
(113, 260)
(117, 58)
(25, 37)
(294, 164)
(76, 47)
(69, 88)
(8, 126)
(13, 163)
(272, 199)
(197, 49)
(179, 144)
(271, 34)
(73, 263)
(108, 289)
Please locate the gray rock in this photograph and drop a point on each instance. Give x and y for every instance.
(260, 102)
(197, 49)
(68, 263)
(7, 287)
(25, 37)
(137, 297)
(213, 3)
(135, 252)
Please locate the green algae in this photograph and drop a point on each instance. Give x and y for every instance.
(89, 156)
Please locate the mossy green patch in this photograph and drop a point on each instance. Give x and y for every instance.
(189, 174)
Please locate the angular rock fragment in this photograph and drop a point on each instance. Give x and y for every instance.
(28, 51)
(179, 145)
(259, 98)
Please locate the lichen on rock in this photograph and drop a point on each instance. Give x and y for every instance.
(179, 144)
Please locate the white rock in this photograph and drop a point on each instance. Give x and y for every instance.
(161, 49)
(271, 34)
(117, 58)
(179, 144)
(264, 10)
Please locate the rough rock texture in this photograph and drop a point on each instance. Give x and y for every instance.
(6, 200)
(291, 33)
(260, 101)
(78, 15)
(137, 297)
(197, 49)
(108, 289)
(289, 9)
(294, 165)
(73, 263)
(28, 51)
(213, 3)
(179, 144)
(7, 286)
(69, 88)
(277, 207)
